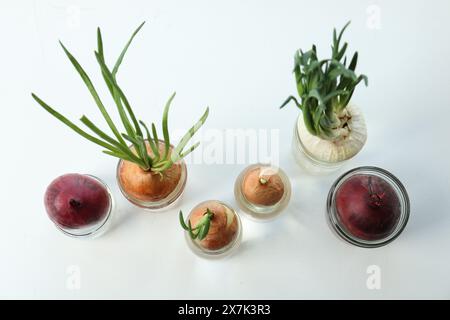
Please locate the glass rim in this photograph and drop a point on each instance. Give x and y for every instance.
(401, 193)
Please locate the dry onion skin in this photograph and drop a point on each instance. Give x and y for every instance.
(147, 185)
(263, 186)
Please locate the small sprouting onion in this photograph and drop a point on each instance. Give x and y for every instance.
(137, 132)
(325, 88)
(200, 231)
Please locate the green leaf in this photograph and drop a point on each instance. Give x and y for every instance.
(99, 42)
(341, 33)
(115, 94)
(151, 143)
(343, 70)
(352, 65)
(192, 148)
(100, 52)
(334, 37)
(93, 92)
(143, 147)
(313, 81)
(161, 165)
(104, 136)
(299, 80)
(291, 98)
(119, 96)
(350, 93)
(156, 139)
(179, 148)
(317, 116)
(191, 233)
(122, 54)
(122, 156)
(129, 110)
(333, 94)
(324, 86)
(71, 125)
(205, 229)
(165, 126)
(362, 77)
(97, 131)
(312, 67)
(155, 133)
(308, 119)
(314, 94)
(341, 53)
(201, 229)
(141, 150)
(183, 224)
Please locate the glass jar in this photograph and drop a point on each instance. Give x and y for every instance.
(141, 196)
(80, 206)
(305, 145)
(197, 246)
(368, 207)
(256, 210)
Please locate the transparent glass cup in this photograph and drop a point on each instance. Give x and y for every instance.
(97, 228)
(232, 246)
(342, 231)
(312, 163)
(163, 204)
(256, 212)
(307, 161)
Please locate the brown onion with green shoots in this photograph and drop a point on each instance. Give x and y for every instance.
(150, 167)
(212, 225)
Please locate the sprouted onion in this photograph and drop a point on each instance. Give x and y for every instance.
(325, 88)
(137, 132)
(201, 229)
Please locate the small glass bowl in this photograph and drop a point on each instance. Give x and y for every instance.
(161, 205)
(98, 228)
(227, 250)
(341, 231)
(262, 213)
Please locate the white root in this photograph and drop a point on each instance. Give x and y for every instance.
(350, 138)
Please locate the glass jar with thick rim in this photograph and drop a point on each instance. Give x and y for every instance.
(368, 207)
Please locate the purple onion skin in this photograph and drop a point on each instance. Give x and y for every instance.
(368, 207)
(76, 201)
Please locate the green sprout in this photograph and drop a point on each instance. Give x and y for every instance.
(325, 87)
(201, 230)
(137, 132)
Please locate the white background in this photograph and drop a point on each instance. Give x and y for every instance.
(236, 57)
